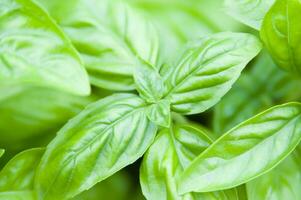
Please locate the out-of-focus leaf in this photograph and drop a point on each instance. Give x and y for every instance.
(281, 34)
(283, 182)
(245, 152)
(110, 36)
(34, 112)
(172, 151)
(159, 113)
(105, 137)
(18, 173)
(1, 152)
(207, 70)
(249, 12)
(252, 87)
(34, 50)
(17, 176)
(17, 195)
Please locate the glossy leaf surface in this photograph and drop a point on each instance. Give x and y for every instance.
(249, 12)
(207, 70)
(34, 50)
(105, 137)
(281, 34)
(172, 151)
(110, 36)
(250, 149)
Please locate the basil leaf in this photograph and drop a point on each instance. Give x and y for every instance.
(250, 149)
(1, 152)
(105, 137)
(249, 12)
(208, 69)
(253, 88)
(283, 182)
(280, 33)
(35, 112)
(34, 50)
(149, 83)
(18, 173)
(110, 35)
(17, 195)
(159, 113)
(169, 155)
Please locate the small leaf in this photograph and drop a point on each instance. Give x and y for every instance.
(34, 50)
(281, 35)
(105, 137)
(18, 173)
(110, 36)
(283, 182)
(208, 69)
(159, 113)
(245, 152)
(169, 155)
(249, 12)
(148, 81)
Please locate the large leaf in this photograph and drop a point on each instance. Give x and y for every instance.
(34, 50)
(249, 12)
(1, 152)
(105, 137)
(250, 149)
(110, 36)
(281, 34)
(281, 183)
(34, 112)
(207, 70)
(252, 87)
(172, 151)
(17, 195)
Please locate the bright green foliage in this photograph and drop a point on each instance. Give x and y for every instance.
(207, 70)
(110, 36)
(17, 176)
(281, 34)
(172, 151)
(176, 60)
(246, 151)
(283, 182)
(105, 137)
(34, 50)
(250, 12)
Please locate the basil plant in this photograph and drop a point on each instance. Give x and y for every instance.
(148, 99)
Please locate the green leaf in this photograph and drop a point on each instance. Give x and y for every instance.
(252, 87)
(1, 152)
(245, 152)
(34, 50)
(249, 12)
(159, 113)
(18, 173)
(281, 35)
(35, 112)
(207, 70)
(17, 195)
(105, 137)
(169, 155)
(110, 35)
(283, 182)
(149, 82)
